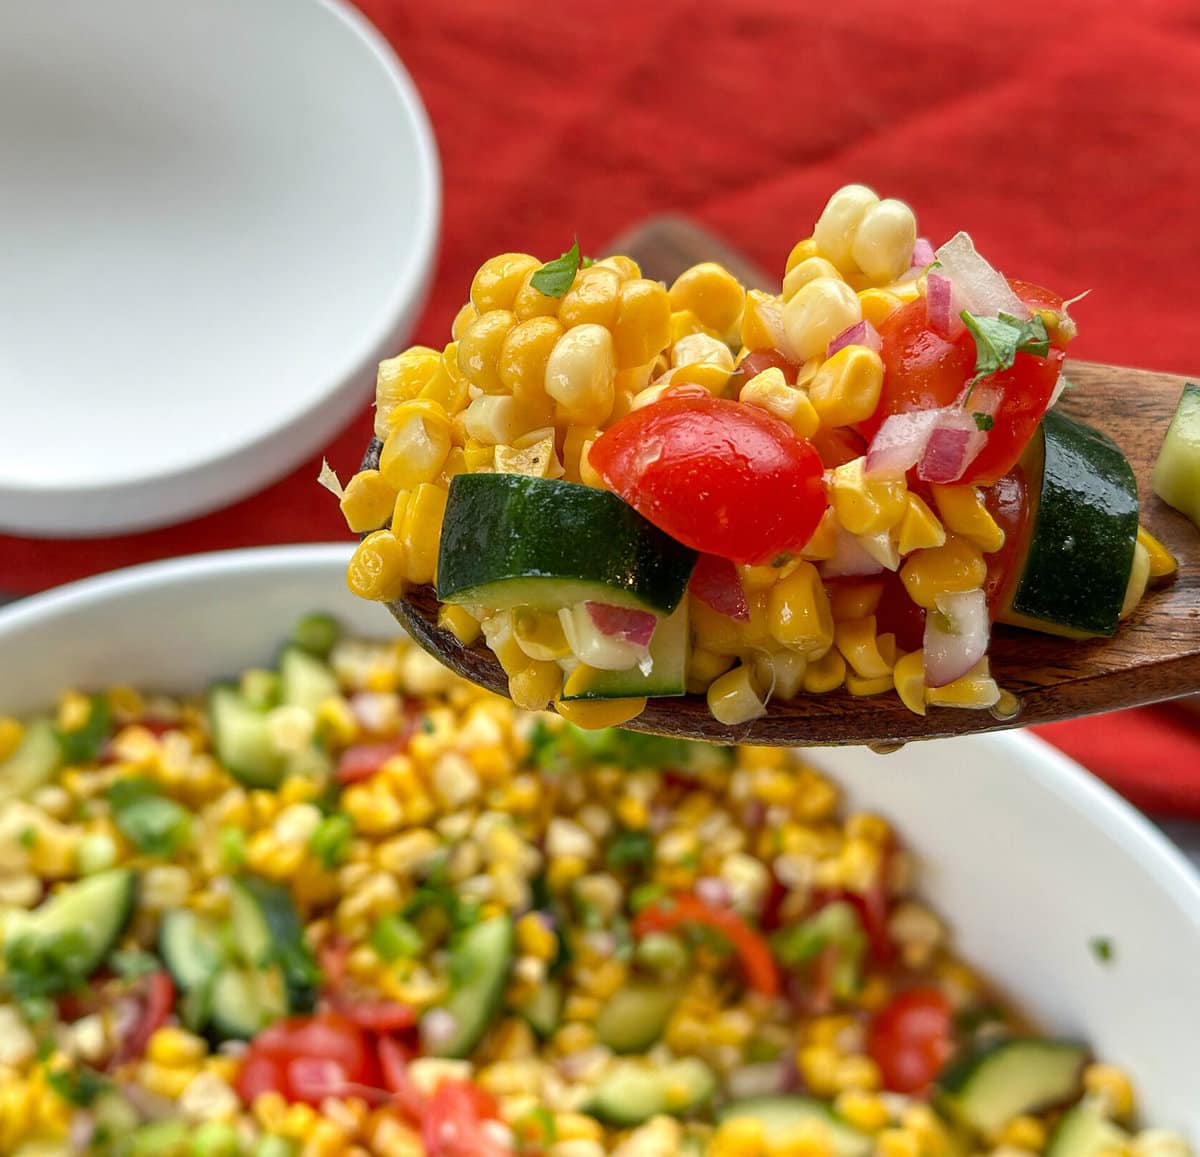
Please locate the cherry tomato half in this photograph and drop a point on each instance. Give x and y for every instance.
(717, 475)
(754, 363)
(326, 1036)
(911, 1038)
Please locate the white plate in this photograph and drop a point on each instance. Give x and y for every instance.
(1025, 854)
(216, 216)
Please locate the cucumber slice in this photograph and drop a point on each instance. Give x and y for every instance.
(246, 1000)
(509, 540)
(287, 947)
(72, 933)
(480, 963)
(543, 1010)
(1084, 1132)
(33, 764)
(784, 1114)
(631, 1092)
(248, 928)
(305, 681)
(192, 947)
(1176, 478)
(1077, 553)
(635, 1016)
(242, 739)
(992, 1083)
(667, 675)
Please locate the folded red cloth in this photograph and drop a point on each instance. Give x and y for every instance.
(1059, 135)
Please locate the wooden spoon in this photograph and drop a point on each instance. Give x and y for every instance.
(1155, 654)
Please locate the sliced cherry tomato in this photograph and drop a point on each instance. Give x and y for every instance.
(911, 1038)
(393, 1065)
(333, 957)
(378, 1016)
(687, 908)
(1008, 503)
(898, 614)
(453, 1120)
(260, 1074)
(716, 583)
(719, 476)
(327, 1037)
(838, 445)
(754, 363)
(155, 994)
(364, 760)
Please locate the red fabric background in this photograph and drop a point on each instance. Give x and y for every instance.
(1062, 136)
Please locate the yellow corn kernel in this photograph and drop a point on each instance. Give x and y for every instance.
(866, 506)
(704, 666)
(530, 302)
(625, 267)
(824, 540)
(401, 379)
(540, 635)
(733, 698)
(798, 612)
(479, 455)
(780, 673)
(166, 1081)
(805, 271)
(846, 388)
(878, 305)
(919, 528)
(1110, 1084)
(818, 1066)
(769, 391)
(712, 293)
(701, 360)
(820, 311)
(1024, 1132)
(499, 278)
(897, 1143)
(801, 251)
(523, 355)
(376, 569)
(175, 1046)
(684, 323)
(839, 221)
(1139, 576)
(533, 687)
(422, 531)
(738, 1137)
(883, 241)
(11, 734)
(826, 673)
(593, 299)
(532, 454)
(416, 447)
(455, 464)
(857, 1073)
(908, 676)
(367, 501)
(463, 318)
(863, 1110)
(580, 375)
(855, 598)
(861, 687)
(592, 714)
(495, 420)
(975, 689)
(535, 939)
(856, 640)
(955, 566)
(762, 321)
(714, 632)
(1162, 561)
(448, 387)
(963, 511)
(462, 625)
(400, 510)
(479, 349)
(573, 443)
(563, 872)
(642, 328)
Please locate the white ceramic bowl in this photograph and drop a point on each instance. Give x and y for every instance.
(1026, 855)
(216, 216)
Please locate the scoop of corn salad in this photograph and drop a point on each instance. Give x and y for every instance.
(836, 481)
(356, 906)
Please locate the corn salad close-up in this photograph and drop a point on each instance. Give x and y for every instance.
(630, 490)
(351, 905)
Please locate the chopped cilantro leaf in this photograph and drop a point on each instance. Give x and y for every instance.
(28, 838)
(1102, 948)
(156, 825)
(80, 1086)
(983, 421)
(557, 276)
(331, 840)
(630, 849)
(39, 966)
(998, 340)
(559, 749)
(84, 744)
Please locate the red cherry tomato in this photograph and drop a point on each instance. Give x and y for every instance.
(155, 994)
(719, 476)
(754, 363)
(716, 582)
(838, 445)
(378, 1016)
(362, 762)
(260, 1074)
(453, 1122)
(911, 1038)
(898, 614)
(1008, 503)
(327, 1036)
(923, 370)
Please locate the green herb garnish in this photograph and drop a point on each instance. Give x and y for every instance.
(557, 276)
(983, 421)
(84, 744)
(394, 938)
(130, 963)
(1102, 948)
(317, 634)
(80, 1086)
(630, 849)
(331, 840)
(156, 825)
(998, 340)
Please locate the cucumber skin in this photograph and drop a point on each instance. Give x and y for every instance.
(1062, 579)
(116, 911)
(482, 994)
(501, 527)
(1176, 478)
(792, 1108)
(291, 951)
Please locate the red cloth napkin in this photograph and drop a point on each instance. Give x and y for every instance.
(1061, 136)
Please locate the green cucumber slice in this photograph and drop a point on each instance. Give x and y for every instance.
(69, 936)
(38, 756)
(509, 540)
(480, 963)
(784, 1114)
(1085, 1132)
(543, 1010)
(305, 681)
(635, 1016)
(276, 911)
(1176, 478)
(667, 675)
(192, 947)
(1081, 533)
(245, 1000)
(992, 1083)
(242, 739)
(633, 1091)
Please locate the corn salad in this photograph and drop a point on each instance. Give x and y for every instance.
(672, 931)
(558, 373)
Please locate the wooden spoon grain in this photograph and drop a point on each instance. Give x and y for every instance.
(1155, 655)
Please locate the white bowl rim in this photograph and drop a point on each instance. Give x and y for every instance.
(113, 505)
(1073, 785)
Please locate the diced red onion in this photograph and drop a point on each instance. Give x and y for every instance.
(953, 445)
(438, 1027)
(922, 253)
(849, 558)
(956, 636)
(899, 443)
(940, 313)
(860, 333)
(716, 583)
(83, 1128)
(761, 1080)
(634, 627)
(714, 891)
(977, 286)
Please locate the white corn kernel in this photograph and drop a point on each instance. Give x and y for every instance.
(839, 220)
(208, 1098)
(581, 372)
(290, 728)
(884, 240)
(17, 1044)
(494, 419)
(164, 886)
(817, 314)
